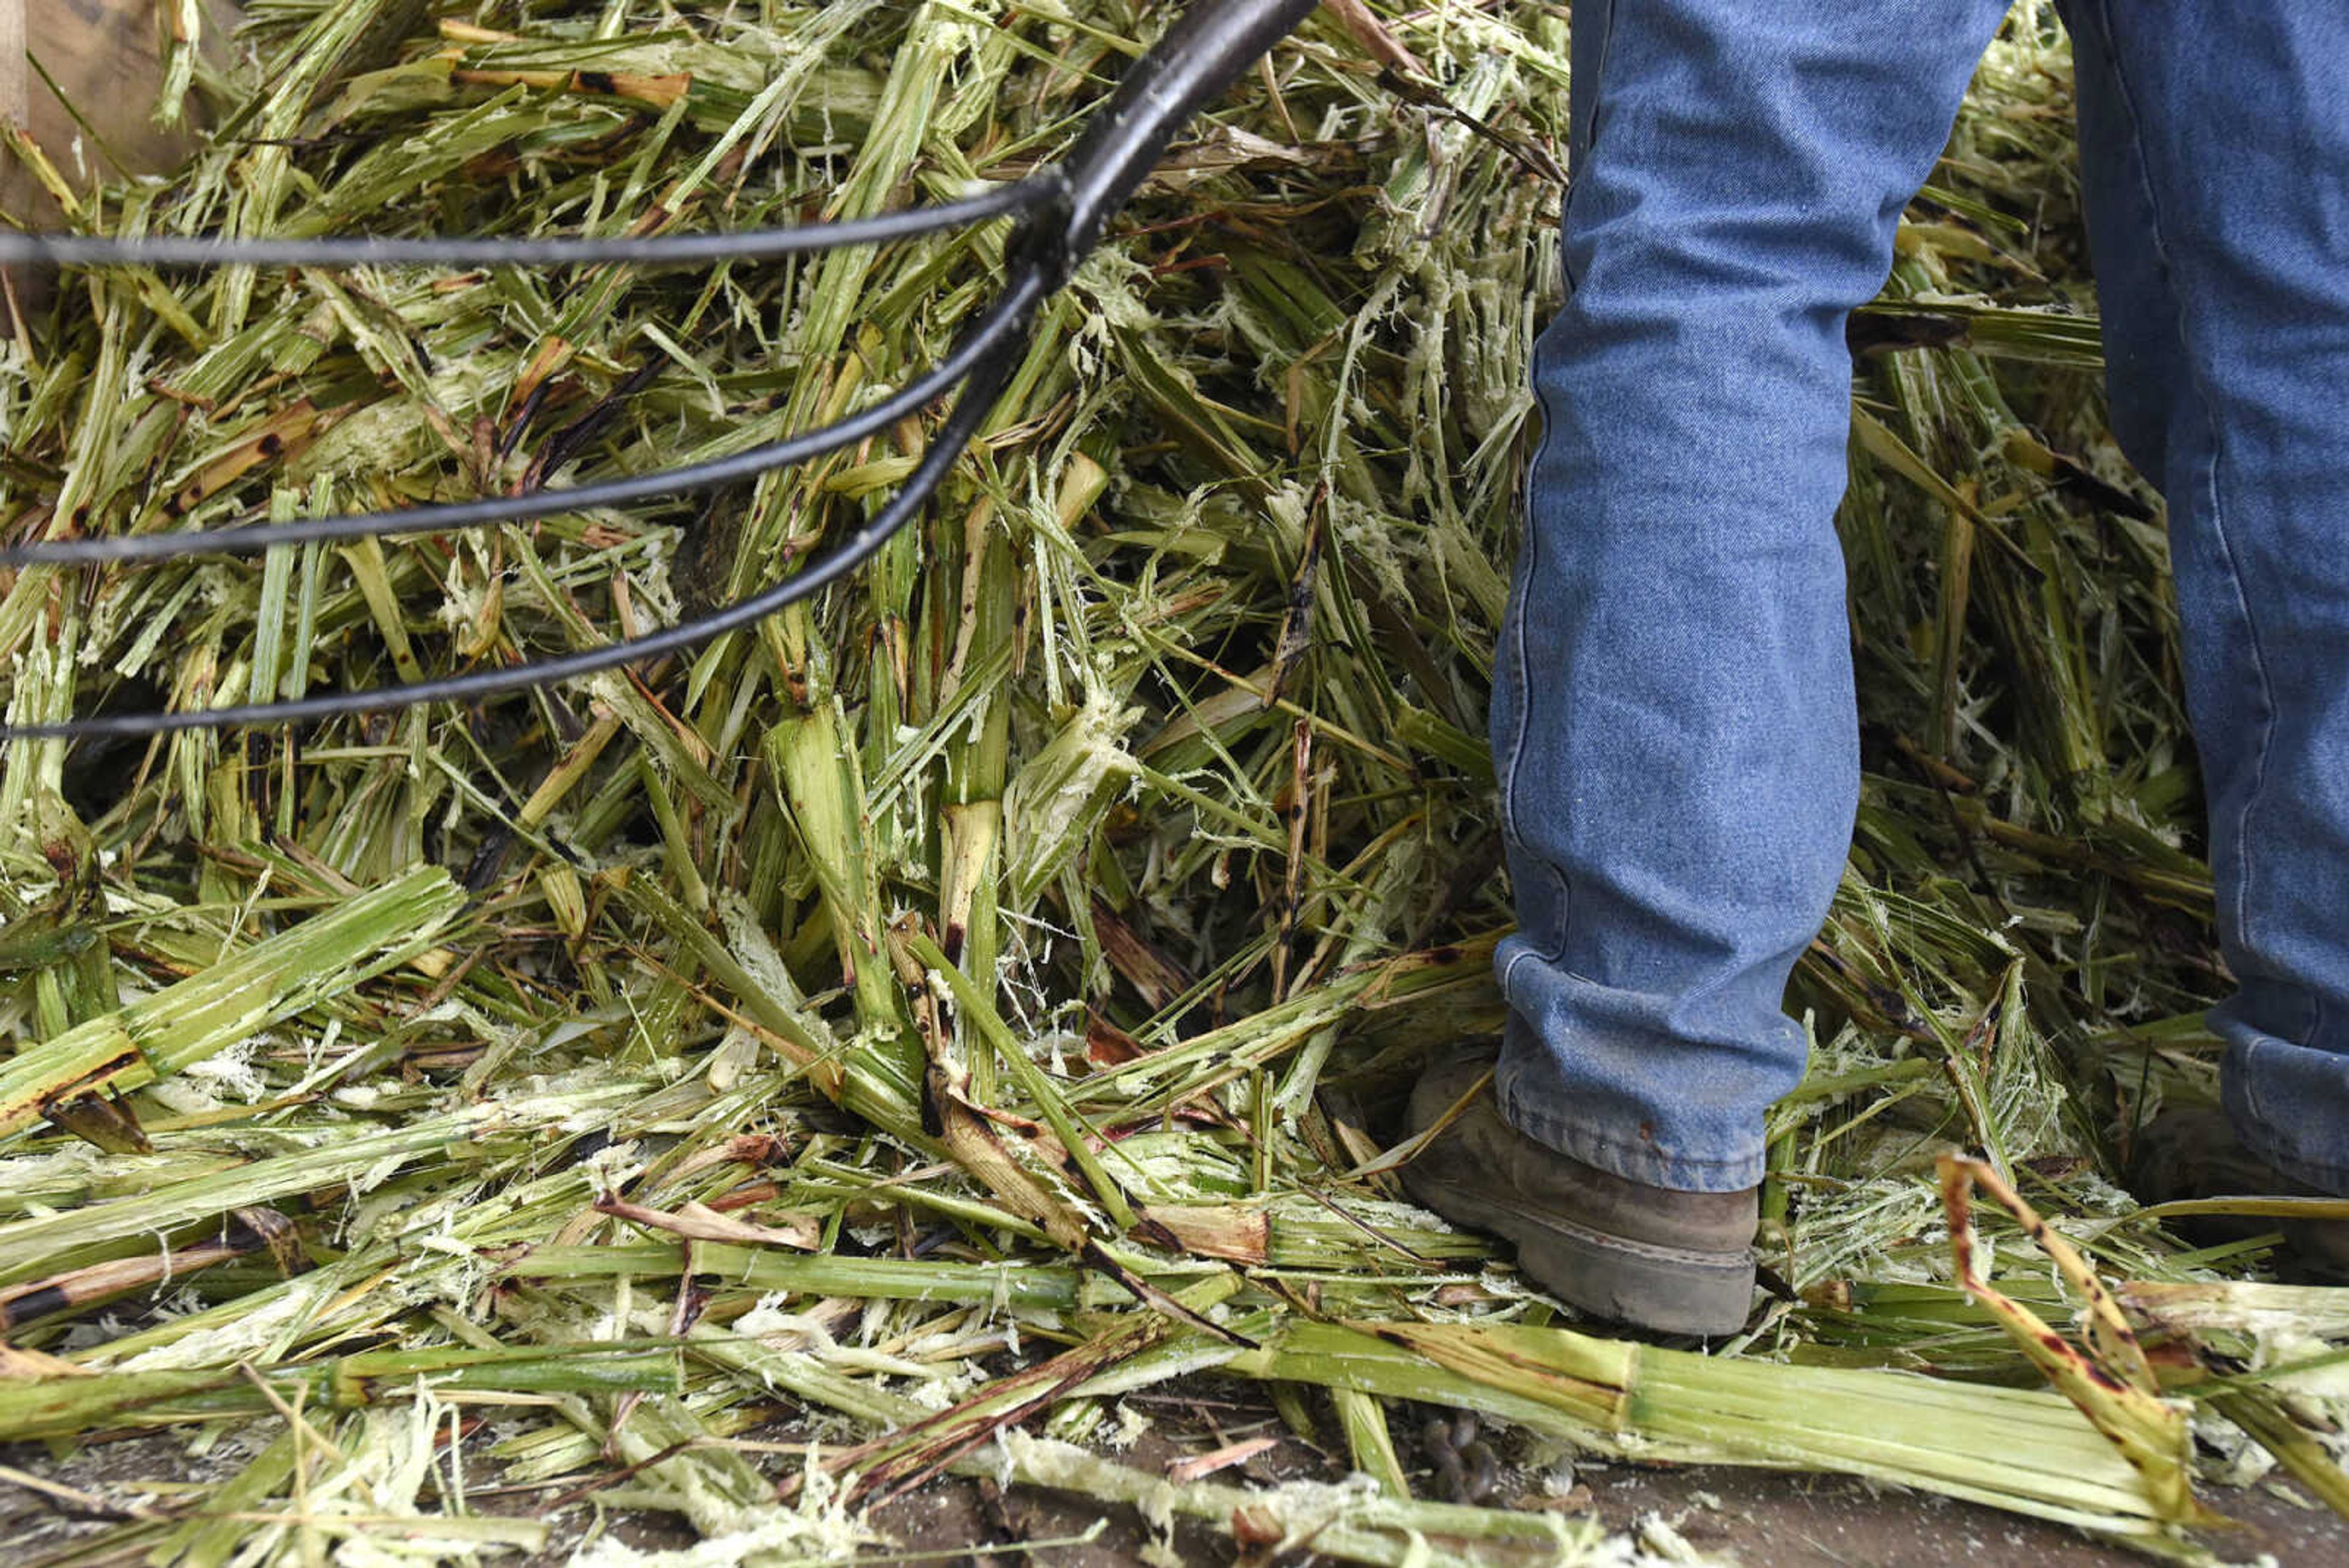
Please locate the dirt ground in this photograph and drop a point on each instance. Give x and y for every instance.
(1713, 1515)
(1751, 1518)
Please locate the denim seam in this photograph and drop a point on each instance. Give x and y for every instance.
(2209, 486)
(2251, 1101)
(1529, 555)
(1605, 22)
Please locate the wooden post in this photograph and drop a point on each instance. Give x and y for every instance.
(104, 57)
(13, 103)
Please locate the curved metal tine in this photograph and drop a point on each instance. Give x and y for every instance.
(251, 538)
(490, 512)
(989, 377)
(1007, 199)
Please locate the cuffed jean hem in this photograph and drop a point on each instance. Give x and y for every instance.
(2260, 1076)
(1587, 1128)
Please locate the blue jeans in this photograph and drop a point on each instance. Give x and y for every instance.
(1672, 713)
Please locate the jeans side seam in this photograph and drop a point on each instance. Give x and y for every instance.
(1529, 556)
(2249, 1088)
(1577, 151)
(2209, 486)
(1510, 968)
(1528, 550)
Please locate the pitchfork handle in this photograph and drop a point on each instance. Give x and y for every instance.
(1191, 65)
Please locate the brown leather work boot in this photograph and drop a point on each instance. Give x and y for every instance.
(2192, 1152)
(1674, 1262)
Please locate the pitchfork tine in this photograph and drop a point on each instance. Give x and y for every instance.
(251, 538)
(1062, 212)
(651, 250)
(961, 426)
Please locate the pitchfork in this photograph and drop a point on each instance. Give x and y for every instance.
(1061, 210)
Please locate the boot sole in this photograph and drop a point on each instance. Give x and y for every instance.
(1666, 1290)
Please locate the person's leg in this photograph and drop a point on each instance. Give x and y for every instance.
(2215, 145)
(1673, 717)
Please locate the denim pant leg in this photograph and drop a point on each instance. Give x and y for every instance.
(1672, 713)
(2215, 142)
